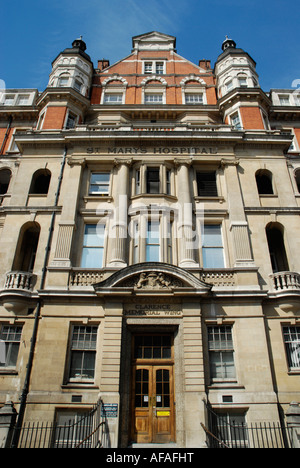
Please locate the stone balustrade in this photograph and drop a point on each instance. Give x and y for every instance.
(285, 281)
(21, 280)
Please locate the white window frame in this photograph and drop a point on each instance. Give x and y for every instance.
(101, 246)
(105, 190)
(219, 348)
(153, 94)
(84, 346)
(76, 118)
(208, 247)
(150, 67)
(231, 119)
(292, 346)
(8, 345)
(284, 97)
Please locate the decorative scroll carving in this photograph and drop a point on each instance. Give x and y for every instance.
(153, 280)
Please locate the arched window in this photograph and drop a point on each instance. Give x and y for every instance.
(27, 247)
(297, 178)
(264, 182)
(5, 175)
(276, 245)
(40, 182)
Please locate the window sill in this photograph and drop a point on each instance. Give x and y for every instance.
(209, 198)
(8, 371)
(294, 371)
(148, 195)
(71, 385)
(103, 197)
(225, 384)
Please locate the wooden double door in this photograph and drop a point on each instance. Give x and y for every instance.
(153, 405)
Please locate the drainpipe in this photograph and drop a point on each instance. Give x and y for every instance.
(25, 391)
(6, 134)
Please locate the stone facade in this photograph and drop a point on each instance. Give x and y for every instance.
(152, 199)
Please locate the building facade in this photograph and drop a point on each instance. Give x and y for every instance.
(149, 226)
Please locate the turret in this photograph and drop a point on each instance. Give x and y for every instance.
(242, 102)
(67, 96)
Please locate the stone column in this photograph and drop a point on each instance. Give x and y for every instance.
(186, 232)
(238, 221)
(8, 416)
(293, 423)
(119, 228)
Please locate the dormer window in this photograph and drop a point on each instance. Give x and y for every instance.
(284, 100)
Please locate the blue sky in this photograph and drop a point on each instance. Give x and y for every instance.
(35, 31)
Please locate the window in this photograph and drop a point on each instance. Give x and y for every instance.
(99, 183)
(63, 81)
(5, 175)
(71, 121)
(212, 246)
(113, 98)
(264, 182)
(83, 352)
(153, 184)
(221, 352)
(242, 82)
(236, 121)
(153, 242)
(73, 428)
(27, 247)
(40, 182)
(148, 67)
(136, 237)
(159, 68)
(232, 430)
(78, 85)
(93, 246)
(196, 98)
(23, 100)
(284, 100)
(9, 100)
(229, 85)
(276, 246)
(206, 184)
(10, 338)
(297, 178)
(153, 98)
(291, 337)
(154, 67)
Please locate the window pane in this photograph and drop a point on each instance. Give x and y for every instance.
(212, 236)
(152, 253)
(113, 98)
(207, 185)
(194, 98)
(92, 258)
(153, 98)
(99, 183)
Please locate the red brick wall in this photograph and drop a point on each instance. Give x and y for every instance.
(8, 139)
(131, 69)
(54, 118)
(251, 118)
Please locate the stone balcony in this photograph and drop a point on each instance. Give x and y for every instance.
(20, 280)
(285, 283)
(18, 294)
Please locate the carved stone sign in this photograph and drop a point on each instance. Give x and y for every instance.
(155, 150)
(153, 310)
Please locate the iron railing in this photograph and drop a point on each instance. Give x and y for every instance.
(224, 433)
(84, 431)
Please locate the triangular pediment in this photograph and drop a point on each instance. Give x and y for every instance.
(154, 41)
(152, 278)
